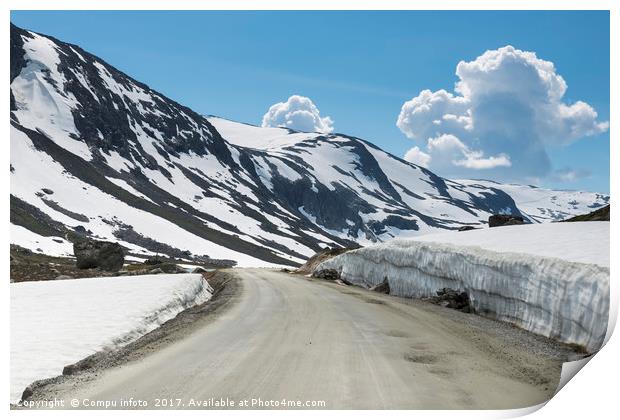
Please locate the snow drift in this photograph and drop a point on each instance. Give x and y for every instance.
(56, 323)
(550, 279)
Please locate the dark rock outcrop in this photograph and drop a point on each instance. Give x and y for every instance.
(170, 268)
(327, 274)
(89, 253)
(383, 287)
(27, 393)
(155, 260)
(466, 228)
(505, 220)
(451, 298)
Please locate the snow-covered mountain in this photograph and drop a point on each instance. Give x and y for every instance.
(544, 205)
(95, 152)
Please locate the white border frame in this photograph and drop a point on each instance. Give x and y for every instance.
(591, 395)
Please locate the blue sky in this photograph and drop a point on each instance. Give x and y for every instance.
(357, 67)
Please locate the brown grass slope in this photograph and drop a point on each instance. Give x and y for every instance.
(601, 214)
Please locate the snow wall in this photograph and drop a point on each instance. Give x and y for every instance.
(59, 322)
(559, 299)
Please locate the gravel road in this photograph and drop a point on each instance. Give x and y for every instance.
(294, 340)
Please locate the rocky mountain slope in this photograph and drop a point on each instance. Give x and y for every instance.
(97, 153)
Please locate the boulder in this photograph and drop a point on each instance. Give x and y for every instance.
(453, 299)
(27, 393)
(199, 270)
(70, 370)
(76, 368)
(496, 220)
(327, 274)
(170, 268)
(156, 260)
(513, 222)
(80, 229)
(383, 287)
(107, 256)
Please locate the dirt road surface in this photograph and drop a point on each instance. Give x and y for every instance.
(289, 338)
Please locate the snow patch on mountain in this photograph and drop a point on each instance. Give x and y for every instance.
(101, 213)
(49, 245)
(546, 205)
(263, 138)
(42, 104)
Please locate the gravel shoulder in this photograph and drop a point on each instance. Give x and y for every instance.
(271, 336)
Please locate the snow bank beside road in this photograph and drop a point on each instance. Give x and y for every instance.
(549, 279)
(57, 323)
(582, 242)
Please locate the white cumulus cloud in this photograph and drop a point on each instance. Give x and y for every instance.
(417, 156)
(448, 150)
(507, 109)
(297, 113)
